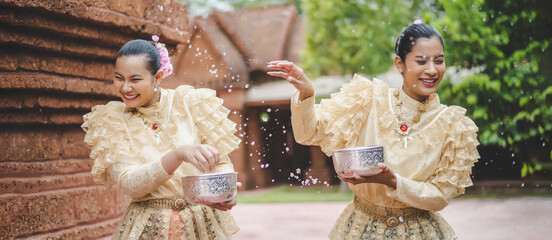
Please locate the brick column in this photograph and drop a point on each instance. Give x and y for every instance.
(56, 62)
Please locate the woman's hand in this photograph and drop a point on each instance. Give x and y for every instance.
(224, 206)
(386, 177)
(204, 157)
(294, 75)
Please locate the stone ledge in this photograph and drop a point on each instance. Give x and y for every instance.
(20, 59)
(64, 46)
(89, 231)
(21, 100)
(36, 169)
(43, 117)
(51, 82)
(45, 183)
(102, 16)
(25, 215)
(29, 144)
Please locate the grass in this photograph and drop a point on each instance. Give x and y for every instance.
(285, 194)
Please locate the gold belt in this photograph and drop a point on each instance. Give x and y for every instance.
(391, 216)
(177, 204)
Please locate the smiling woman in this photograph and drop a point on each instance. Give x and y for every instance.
(154, 137)
(429, 148)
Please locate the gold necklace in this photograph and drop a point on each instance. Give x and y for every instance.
(403, 128)
(156, 125)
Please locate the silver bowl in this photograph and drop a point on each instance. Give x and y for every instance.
(210, 188)
(362, 161)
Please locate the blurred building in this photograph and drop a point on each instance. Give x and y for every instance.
(229, 52)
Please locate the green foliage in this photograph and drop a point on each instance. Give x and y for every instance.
(352, 36)
(511, 99)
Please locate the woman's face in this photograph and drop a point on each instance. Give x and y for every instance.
(423, 68)
(133, 82)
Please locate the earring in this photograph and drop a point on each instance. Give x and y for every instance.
(156, 88)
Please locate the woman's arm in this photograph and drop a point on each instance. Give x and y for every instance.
(335, 123)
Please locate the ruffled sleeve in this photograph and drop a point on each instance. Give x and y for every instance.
(111, 149)
(453, 171)
(214, 127)
(337, 122)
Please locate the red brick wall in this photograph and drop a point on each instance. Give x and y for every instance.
(56, 62)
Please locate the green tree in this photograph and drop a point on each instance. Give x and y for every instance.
(511, 99)
(352, 36)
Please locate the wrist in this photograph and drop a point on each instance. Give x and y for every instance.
(393, 182)
(304, 95)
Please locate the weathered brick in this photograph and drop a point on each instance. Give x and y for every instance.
(97, 202)
(59, 44)
(100, 15)
(38, 212)
(42, 116)
(73, 144)
(90, 231)
(36, 169)
(30, 144)
(44, 183)
(51, 82)
(47, 100)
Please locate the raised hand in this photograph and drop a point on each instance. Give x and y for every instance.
(294, 75)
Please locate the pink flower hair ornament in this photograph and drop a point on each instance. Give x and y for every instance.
(417, 21)
(166, 65)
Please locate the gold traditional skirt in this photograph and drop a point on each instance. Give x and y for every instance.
(363, 220)
(174, 219)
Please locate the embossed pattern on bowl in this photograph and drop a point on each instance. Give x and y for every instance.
(362, 161)
(210, 188)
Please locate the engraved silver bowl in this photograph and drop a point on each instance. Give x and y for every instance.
(362, 161)
(210, 188)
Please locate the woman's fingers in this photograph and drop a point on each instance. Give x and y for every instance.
(202, 163)
(278, 74)
(215, 152)
(209, 157)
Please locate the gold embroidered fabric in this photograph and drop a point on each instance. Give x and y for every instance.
(194, 222)
(128, 154)
(363, 220)
(432, 165)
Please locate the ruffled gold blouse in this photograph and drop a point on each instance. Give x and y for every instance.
(127, 152)
(433, 164)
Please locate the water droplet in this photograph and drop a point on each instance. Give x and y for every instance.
(252, 143)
